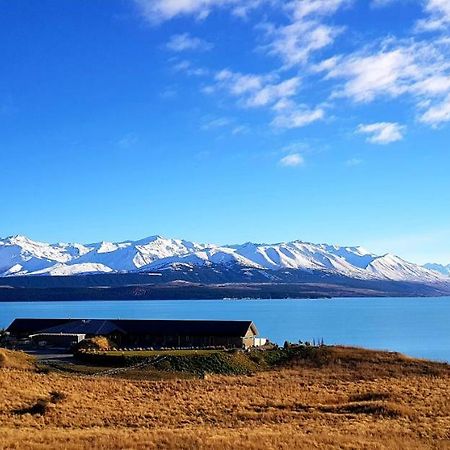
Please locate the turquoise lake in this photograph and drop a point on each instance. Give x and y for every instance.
(418, 327)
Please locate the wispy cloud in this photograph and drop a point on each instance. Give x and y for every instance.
(162, 10)
(419, 69)
(188, 68)
(382, 3)
(298, 117)
(269, 92)
(254, 90)
(185, 42)
(382, 133)
(438, 113)
(353, 162)
(128, 141)
(296, 42)
(292, 160)
(240, 129)
(306, 33)
(227, 124)
(219, 122)
(439, 16)
(368, 75)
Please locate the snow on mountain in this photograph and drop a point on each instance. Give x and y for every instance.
(132, 255)
(394, 268)
(299, 255)
(73, 269)
(443, 270)
(213, 255)
(353, 262)
(22, 256)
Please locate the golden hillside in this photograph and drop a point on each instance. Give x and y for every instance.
(347, 398)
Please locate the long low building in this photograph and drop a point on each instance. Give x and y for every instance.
(140, 333)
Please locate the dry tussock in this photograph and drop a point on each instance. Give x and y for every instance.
(340, 405)
(15, 360)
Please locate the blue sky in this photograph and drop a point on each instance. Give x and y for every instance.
(228, 121)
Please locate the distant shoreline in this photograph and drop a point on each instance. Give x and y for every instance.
(228, 292)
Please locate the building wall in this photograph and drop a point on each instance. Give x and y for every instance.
(57, 340)
(182, 341)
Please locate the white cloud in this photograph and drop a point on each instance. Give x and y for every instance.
(274, 92)
(419, 69)
(306, 34)
(305, 8)
(255, 91)
(439, 16)
(267, 91)
(243, 8)
(433, 85)
(298, 117)
(188, 68)
(292, 160)
(438, 113)
(382, 132)
(162, 10)
(415, 67)
(295, 43)
(388, 72)
(183, 42)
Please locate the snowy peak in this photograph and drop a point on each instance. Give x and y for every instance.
(394, 268)
(73, 269)
(441, 268)
(20, 255)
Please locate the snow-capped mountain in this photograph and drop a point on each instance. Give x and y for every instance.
(22, 256)
(441, 268)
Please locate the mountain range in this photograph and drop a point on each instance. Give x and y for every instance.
(21, 256)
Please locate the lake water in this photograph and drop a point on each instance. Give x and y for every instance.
(415, 326)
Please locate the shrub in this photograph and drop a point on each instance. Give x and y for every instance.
(97, 343)
(43, 405)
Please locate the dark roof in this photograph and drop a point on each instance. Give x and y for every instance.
(19, 326)
(149, 327)
(187, 327)
(96, 327)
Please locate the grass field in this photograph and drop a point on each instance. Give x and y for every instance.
(328, 398)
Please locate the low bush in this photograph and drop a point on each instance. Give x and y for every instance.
(98, 343)
(43, 405)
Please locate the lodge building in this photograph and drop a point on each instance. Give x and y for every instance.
(139, 333)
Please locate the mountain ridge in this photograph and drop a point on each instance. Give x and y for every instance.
(441, 268)
(21, 256)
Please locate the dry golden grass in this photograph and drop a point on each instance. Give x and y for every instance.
(15, 360)
(347, 398)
